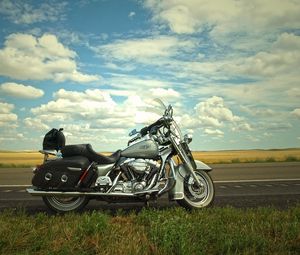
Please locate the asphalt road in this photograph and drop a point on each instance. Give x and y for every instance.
(238, 185)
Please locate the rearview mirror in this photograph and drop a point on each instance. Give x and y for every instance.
(133, 132)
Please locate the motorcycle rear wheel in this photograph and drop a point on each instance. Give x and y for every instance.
(61, 204)
(196, 197)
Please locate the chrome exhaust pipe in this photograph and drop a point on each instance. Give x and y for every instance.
(34, 192)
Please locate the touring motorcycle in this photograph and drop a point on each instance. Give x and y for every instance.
(157, 161)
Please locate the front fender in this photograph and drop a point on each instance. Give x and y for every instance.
(177, 192)
(202, 166)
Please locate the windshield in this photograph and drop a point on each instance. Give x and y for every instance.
(160, 104)
(154, 108)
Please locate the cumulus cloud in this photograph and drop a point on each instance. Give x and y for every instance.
(35, 124)
(7, 118)
(20, 90)
(280, 59)
(211, 115)
(85, 105)
(25, 57)
(167, 94)
(214, 108)
(243, 126)
(6, 108)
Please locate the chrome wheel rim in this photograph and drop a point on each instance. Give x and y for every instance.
(65, 203)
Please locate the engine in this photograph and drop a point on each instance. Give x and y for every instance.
(139, 174)
(142, 166)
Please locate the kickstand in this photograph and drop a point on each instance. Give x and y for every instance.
(147, 201)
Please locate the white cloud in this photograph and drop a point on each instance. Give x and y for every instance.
(215, 132)
(296, 112)
(20, 90)
(144, 50)
(253, 138)
(134, 83)
(131, 14)
(275, 126)
(243, 126)
(6, 108)
(167, 94)
(20, 12)
(281, 58)
(190, 16)
(259, 111)
(27, 57)
(7, 118)
(214, 108)
(86, 105)
(92, 104)
(35, 124)
(211, 115)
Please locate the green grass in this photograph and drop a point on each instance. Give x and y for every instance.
(266, 160)
(171, 231)
(13, 165)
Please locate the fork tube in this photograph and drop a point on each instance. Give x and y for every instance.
(184, 158)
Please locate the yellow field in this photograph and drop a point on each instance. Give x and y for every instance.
(34, 158)
(20, 158)
(247, 156)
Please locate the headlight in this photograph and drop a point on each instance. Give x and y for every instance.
(188, 138)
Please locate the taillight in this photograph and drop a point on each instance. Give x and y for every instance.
(35, 169)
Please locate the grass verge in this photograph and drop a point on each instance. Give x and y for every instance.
(171, 231)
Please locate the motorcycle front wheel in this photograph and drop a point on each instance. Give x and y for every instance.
(195, 196)
(61, 204)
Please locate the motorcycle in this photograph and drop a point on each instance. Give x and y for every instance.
(144, 171)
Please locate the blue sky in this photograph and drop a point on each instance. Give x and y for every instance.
(229, 68)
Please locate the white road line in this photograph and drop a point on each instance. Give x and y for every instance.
(258, 180)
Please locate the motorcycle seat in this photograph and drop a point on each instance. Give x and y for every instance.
(86, 150)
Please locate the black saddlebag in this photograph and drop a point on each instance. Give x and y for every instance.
(64, 174)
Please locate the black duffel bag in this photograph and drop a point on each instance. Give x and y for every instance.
(54, 140)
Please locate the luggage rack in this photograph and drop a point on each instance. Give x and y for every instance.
(49, 152)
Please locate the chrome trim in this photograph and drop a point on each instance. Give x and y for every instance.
(50, 152)
(74, 168)
(115, 182)
(152, 183)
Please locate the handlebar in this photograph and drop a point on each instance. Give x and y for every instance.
(133, 139)
(163, 121)
(159, 123)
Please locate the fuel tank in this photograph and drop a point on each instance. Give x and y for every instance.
(144, 149)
